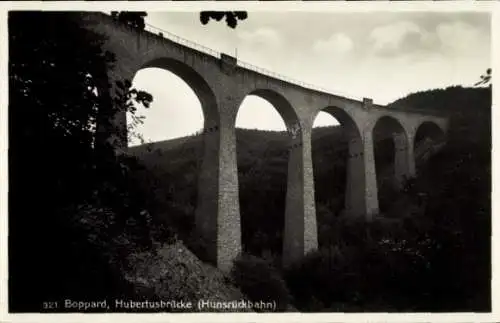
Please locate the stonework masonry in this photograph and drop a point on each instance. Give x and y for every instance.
(221, 85)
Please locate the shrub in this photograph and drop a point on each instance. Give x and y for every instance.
(260, 281)
(324, 277)
(199, 245)
(378, 264)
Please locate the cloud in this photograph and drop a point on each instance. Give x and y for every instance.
(459, 37)
(338, 43)
(398, 38)
(264, 36)
(450, 38)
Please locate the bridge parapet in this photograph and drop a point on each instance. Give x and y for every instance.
(159, 33)
(367, 103)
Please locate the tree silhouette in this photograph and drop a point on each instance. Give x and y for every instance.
(232, 17)
(485, 78)
(58, 94)
(134, 19)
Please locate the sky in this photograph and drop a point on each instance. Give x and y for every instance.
(379, 55)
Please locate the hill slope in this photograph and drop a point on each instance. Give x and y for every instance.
(262, 171)
(262, 167)
(262, 158)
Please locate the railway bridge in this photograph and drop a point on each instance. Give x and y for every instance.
(221, 83)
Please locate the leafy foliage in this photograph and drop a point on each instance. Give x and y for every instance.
(232, 17)
(433, 253)
(262, 161)
(403, 261)
(485, 78)
(469, 109)
(58, 159)
(134, 19)
(435, 256)
(260, 281)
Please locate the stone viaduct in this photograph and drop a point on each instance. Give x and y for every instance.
(221, 84)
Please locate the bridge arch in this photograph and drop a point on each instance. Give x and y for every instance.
(195, 81)
(428, 130)
(266, 162)
(281, 104)
(211, 190)
(393, 155)
(428, 135)
(387, 126)
(334, 170)
(349, 126)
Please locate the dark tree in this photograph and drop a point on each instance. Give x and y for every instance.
(57, 95)
(485, 78)
(232, 17)
(134, 19)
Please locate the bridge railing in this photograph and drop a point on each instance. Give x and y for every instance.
(182, 41)
(188, 43)
(295, 81)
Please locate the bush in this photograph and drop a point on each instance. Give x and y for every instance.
(376, 266)
(199, 245)
(323, 277)
(260, 281)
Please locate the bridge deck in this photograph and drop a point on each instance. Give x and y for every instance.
(159, 32)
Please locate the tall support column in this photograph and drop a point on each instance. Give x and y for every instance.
(404, 159)
(355, 179)
(217, 213)
(361, 197)
(371, 190)
(301, 233)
